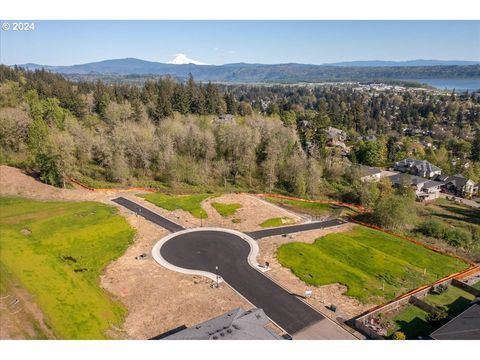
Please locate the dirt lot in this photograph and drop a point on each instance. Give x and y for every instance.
(322, 296)
(157, 299)
(253, 212)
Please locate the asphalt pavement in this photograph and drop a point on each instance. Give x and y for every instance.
(206, 250)
(295, 228)
(149, 215)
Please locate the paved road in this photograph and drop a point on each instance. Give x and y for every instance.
(295, 228)
(149, 215)
(203, 250)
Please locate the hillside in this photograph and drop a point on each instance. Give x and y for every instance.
(288, 73)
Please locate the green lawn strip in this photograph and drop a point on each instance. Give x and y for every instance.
(278, 221)
(411, 320)
(453, 301)
(476, 285)
(317, 209)
(190, 203)
(374, 266)
(226, 209)
(61, 260)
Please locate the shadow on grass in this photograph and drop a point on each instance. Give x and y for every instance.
(414, 328)
(456, 307)
(469, 216)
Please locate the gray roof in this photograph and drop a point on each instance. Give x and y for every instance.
(431, 183)
(465, 326)
(457, 180)
(368, 170)
(401, 179)
(420, 165)
(236, 324)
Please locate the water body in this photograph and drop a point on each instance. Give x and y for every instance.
(450, 84)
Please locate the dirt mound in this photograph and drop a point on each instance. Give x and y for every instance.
(15, 182)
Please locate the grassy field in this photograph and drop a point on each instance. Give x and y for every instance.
(455, 216)
(374, 266)
(278, 221)
(190, 203)
(476, 285)
(411, 320)
(452, 213)
(226, 209)
(453, 301)
(314, 209)
(57, 251)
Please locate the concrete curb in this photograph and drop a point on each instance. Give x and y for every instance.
(252, 256)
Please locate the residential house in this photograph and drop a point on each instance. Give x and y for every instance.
(460, 185)
(336, 134)
(236, 324)
(420, 168)
(465, 326)
(425, 189)
(368, 173)
(336, 138)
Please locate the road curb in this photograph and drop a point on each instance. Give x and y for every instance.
(252, 256)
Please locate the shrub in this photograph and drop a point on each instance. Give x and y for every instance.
(432, 228)
(458, 237)
(453, 236)
(437, 318)
(398, 335)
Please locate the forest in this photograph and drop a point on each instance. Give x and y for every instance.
(168, 133)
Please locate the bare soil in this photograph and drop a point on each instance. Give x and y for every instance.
(20, 316)
(158, 299)
(253, 212)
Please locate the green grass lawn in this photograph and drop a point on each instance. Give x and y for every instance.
(453, 301)
(57, 251)
(278, 221)
(190, 203)
(411, 320)
(374, 266)
(457, 215)
(226, 209)
(476, 285)
(315, 209)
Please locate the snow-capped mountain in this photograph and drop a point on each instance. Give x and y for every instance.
(182, 59)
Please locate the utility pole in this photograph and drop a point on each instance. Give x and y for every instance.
(216, 273)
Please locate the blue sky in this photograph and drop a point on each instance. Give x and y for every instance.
(220, 42)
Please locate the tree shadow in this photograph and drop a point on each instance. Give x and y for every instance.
(457, 306)
(468, 216)
(414, 328)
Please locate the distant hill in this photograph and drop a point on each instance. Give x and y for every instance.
(376, 63)
(288, 73)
